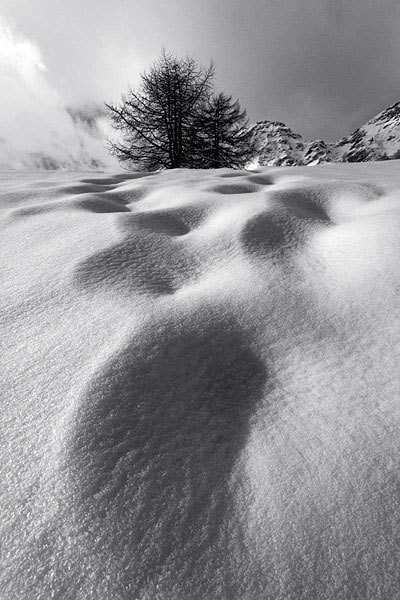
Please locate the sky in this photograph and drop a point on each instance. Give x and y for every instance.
(322, 67)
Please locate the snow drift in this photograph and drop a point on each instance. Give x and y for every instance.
(200, 384)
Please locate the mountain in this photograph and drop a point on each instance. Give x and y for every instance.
(378, 139)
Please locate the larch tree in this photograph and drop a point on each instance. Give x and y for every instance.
(156, 123)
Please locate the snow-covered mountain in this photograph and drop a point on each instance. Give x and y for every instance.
(378, 139)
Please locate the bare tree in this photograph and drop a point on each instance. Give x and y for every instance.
(156, 123)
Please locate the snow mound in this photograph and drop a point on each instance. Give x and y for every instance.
(200, 384)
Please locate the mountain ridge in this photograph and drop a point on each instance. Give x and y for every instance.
(378, 139)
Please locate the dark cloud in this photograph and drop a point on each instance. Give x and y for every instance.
(339, 64)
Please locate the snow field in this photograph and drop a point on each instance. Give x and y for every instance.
(200, 384)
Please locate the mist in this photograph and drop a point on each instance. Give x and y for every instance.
(38, 130)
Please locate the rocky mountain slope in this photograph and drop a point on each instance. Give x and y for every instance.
(378, 139)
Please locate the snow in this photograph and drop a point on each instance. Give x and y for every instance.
(200, 384)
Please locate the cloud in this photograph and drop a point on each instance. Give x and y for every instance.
(339, 60)
(37, 130)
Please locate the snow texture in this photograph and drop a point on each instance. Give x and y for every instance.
(200, 384)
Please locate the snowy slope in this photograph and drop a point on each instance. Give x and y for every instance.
(378, 139)
(200, 384)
